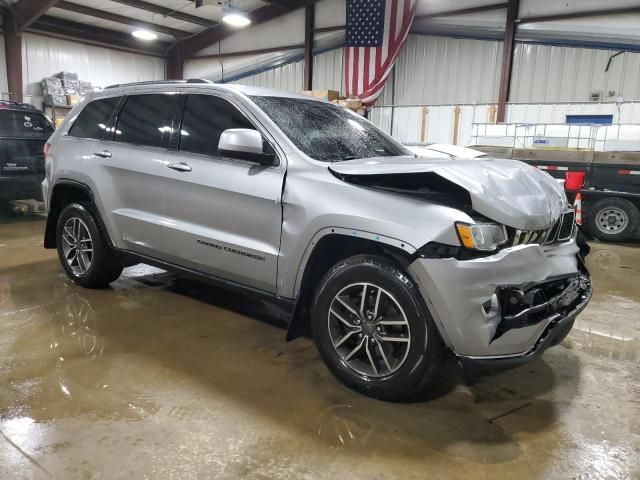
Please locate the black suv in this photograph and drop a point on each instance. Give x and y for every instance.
(24, 131)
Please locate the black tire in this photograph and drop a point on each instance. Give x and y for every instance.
(424, 352)
(610, 207)
(105, 266)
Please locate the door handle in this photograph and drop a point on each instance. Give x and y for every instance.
(179, 166)
(103, 154)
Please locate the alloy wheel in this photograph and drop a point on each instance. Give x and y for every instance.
(369, 329)
(77, 245)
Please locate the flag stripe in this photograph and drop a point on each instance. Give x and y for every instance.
(354, 66)
(365, 72)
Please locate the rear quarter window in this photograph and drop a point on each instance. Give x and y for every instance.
(27, 124)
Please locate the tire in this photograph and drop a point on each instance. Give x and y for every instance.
(403, 368)
(613, 219)
(96, 267)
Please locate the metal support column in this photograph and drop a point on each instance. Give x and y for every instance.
(507, 58)
(309, 22)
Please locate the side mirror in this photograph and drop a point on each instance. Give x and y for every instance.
(245, 144)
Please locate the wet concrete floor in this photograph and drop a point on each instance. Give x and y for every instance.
(159, 377)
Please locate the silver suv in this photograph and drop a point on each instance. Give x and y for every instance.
(385, 259)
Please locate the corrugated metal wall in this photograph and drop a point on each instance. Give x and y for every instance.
(327, 74)
(433, 70)
(45, 56)
(429, 70)
(287, 78)
(543, 73)
(328, 70)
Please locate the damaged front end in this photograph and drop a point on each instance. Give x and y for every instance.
(505, 309)
(549, 301)
(515, 280)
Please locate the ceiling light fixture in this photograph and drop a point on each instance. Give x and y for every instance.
(236, 18)
(144, 35)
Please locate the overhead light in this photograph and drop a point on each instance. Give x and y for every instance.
(144, 35)
(236, 18)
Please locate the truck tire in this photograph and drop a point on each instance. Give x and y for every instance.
(83, 251)
(373, 330)
(613, 219)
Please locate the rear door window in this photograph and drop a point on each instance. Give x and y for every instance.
(94, 119)
(23, 124)
(205, 118)
(146, 119)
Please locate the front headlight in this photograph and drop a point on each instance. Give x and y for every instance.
(481, 236)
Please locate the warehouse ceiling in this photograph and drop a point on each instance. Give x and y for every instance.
(196, 24)
(111, 22)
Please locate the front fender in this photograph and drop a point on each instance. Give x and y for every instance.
(347, 232)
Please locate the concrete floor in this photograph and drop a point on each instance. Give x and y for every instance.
(166, 378)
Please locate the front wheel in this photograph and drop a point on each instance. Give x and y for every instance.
(613, 219)
(373, 330)
(84, 253)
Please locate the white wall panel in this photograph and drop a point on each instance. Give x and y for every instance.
(44, 56)
(328, 70)
(437, 70)
(287, 78)
(545, 73)
(330, 13)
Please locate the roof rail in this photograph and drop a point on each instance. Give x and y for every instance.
(18, 104)
(159, 82)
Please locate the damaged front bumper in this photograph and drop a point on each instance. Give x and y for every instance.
(506, 308)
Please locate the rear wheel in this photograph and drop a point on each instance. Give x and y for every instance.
(84, 253)
(613, 219)
(372, 329)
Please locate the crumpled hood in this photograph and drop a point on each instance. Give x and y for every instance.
(507, 191)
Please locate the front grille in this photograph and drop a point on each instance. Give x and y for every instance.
(567, 221)
(527, 237)
(561, 231)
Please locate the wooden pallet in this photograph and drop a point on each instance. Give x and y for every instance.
(28, 206)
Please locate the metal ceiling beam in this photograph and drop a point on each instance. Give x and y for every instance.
(190, 46)
(245, 53)
(167, 12)
(429, 16)
(286, 4)
(78, 32)
(26, 12)
(507, 58)
(462, 11)
(588, 13)
(112, 17)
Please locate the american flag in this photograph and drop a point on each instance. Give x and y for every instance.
(376, 30)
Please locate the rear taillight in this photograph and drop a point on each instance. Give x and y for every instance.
(45, 150)
(574, 180)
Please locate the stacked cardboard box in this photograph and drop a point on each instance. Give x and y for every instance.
(70, 82)
(352, 103)
(84, 87)
(53, 92)
(328, 95)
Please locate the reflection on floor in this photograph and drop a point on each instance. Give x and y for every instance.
(166, 378)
